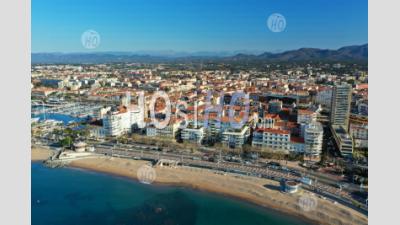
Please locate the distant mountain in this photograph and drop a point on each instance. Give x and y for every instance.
(355, 53)
(350, 53)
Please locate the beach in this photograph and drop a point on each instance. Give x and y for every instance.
(259, 191)
(40, 154)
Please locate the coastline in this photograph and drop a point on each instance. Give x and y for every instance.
(40, 154)
(261, 192)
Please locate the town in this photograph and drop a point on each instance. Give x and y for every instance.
(306, 122)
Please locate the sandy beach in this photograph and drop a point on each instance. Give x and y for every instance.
(40, 154)
(262, 192)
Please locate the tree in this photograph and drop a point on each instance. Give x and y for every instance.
(66, 142)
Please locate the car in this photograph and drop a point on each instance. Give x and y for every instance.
(285, 169)
(295, 173)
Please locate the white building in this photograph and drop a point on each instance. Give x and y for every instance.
(343, 140)
(313, 138)
(168, 131)
(136, 117)
(305, 117)
(235, 137)
(272, 139)
(117, 122)
(359, 132)
(324, 98)
(193, 134)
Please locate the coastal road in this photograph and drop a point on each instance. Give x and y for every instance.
(187, 159)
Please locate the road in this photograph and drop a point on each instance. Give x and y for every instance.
(146, 153)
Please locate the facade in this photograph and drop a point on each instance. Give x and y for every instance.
(272, 139)
(305, 117)
(297, 144)
(324, 98)
(136, 117)
(359, 132)
(169, 131)
(313, 138)
(193, 134)
(340, 107)
(117, 122)
(343, 140)
(235, 137)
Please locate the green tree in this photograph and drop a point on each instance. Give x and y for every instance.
(66, 142)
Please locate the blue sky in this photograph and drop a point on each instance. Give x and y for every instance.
(197, 25)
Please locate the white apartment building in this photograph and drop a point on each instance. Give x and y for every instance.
(136, 117)
(306, 116)
(272, 139)
(343, 140)
(324, 98)
(359, 132)
(216, 127)
(168, 131)
(313, 138)
(268, 121)
(117, 122)
(235, 137)
(193, 134)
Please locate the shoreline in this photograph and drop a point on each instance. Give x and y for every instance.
(197, 189)
(260, 192)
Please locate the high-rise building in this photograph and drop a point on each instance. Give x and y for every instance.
(340, 107)
(313, 137)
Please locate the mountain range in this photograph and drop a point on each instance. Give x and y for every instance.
(355, 53)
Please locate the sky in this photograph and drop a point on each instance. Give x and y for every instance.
(197, 25)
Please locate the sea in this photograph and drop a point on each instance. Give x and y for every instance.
(70, 196)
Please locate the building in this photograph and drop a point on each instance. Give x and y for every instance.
(272, 139)
(313, 138)
(136, 117)
(193, 134)
(344, 142)
(363, 108)
(359, 132)
(289, 186)
(324, 98)
(53, 83)
(235, 137)
(340, 107)
(268, 121)
(275, 106)
(168, 131)
(117, 122)
(305, 117)
(297, 144)
(80, 146)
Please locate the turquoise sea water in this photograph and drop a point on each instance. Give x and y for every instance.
(60, 117)
(66, 196)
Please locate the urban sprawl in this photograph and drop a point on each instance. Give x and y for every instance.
(281, 116)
